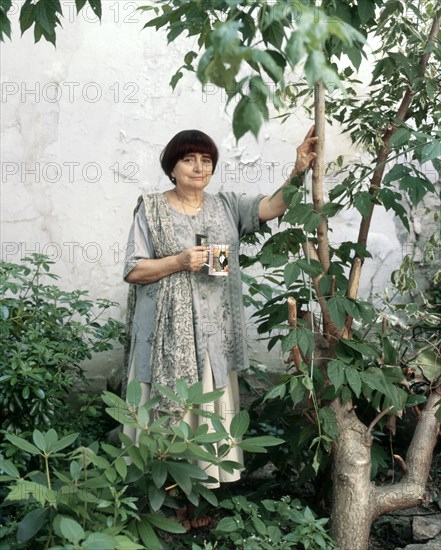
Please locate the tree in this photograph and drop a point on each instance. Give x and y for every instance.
(351, 373)
(335, 367)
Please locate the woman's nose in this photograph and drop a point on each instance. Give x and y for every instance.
(197, 166)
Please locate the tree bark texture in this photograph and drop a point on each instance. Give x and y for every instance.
(357, 502)
(352, 489)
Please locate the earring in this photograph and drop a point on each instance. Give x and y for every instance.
(173, 180)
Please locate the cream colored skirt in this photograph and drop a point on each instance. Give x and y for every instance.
(226, 407)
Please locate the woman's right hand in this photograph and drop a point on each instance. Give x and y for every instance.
(194, 258)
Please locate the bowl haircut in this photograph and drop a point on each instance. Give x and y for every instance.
(184, 143)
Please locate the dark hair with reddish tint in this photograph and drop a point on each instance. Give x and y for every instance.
(184, 143)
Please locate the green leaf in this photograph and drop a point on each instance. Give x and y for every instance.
(134, 393)
(182, 389)
(239, 424)
(311, 267)
(227, 525)
(354, 380)
(168, 525)
(100, 541)
(136, 458)
(362, 202)
(415, 187)
(295, 48)
(276, 392)
(175, 79)
(431, 151)
(113, 400)
(96, 7)
(183, 473)
(400, 137)
(24, 490)
(397, 172)
(9, 468)
(121, 467)
(366, 10)
(390, 201)
(167, 393)
(413, 400)
(64, 442)
(345, 395)
(39, 440)
(22, 444)
(208, 397)
(27, 16)
(31, 524)
(337, 311)
(428, 362)
(214, 437)
(374, 378)
(248, 116)
(336, 373)
(156, 497)
(5, 24)
(148, 535)
(274, 70)
(159, 472)
(70, 529)
(259, 526)
(361, 347)
(258, 444)
(329, 421)
(291, 273)
(80, 5)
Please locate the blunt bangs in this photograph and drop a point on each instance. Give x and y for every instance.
(184, 143)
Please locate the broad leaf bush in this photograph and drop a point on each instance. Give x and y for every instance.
(46, 333)
(120, 496)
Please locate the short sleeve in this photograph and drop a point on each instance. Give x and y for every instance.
(245, 211)
(139, 243)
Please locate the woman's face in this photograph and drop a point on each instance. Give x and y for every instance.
(194, 170)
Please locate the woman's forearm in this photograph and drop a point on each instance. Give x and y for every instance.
(151, 270)
(274, 206)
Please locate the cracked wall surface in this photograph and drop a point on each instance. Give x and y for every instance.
(82, 129)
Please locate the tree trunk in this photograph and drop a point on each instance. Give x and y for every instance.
(353, 492)
(357, 502)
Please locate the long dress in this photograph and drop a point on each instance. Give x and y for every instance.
(218, 316)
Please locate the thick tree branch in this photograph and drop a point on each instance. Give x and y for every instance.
(318, 174)
(385, 150)
(378, 418)
(410, 491)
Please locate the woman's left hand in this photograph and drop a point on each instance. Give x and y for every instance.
(305, 153)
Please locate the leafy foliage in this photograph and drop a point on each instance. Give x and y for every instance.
(46, 332)
(116, 496)
(270, 524)
(43, 15)
(249, 46)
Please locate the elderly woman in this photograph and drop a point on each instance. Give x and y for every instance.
(187, 322)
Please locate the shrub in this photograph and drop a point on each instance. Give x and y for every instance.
(116, 496)
(46, 333)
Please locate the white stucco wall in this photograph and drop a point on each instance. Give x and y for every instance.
(90, 119)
